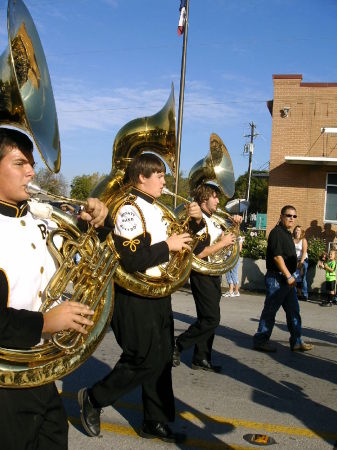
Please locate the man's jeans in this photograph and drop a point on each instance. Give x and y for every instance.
(279, 293)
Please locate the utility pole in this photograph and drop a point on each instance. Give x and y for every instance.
(252, 135)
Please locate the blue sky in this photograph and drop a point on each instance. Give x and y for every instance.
(111, 61)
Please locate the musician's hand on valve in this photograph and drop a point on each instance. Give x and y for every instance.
(194, 210)
(237, 218)
(228, 239)
(177, 242)
(95, 212)
(67, 315)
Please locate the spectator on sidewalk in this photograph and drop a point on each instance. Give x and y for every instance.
(330, 276)
(281, 262)
(301, 245)
(232, 276)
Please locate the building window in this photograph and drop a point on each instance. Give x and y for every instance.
(331, 198)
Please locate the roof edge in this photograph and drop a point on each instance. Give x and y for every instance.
(287, 76)
(318, 84)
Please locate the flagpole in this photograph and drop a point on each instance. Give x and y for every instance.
(181, 100)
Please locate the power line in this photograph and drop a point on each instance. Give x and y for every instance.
(264, 166)
(144, 107)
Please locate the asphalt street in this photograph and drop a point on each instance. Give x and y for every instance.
(290, 397)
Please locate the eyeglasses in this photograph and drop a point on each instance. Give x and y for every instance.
(291, 215)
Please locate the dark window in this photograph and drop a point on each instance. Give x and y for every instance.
(332, 178)
(331, 197)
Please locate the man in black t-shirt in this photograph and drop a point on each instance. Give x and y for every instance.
(281, 262)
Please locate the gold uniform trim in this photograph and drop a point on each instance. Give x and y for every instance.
(132, 243)
(1, 270)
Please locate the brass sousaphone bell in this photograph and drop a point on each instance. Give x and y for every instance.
(217, 168)
(27, 103)
(156, 134)
(26, 96)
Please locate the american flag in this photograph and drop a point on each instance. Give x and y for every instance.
(182, 18)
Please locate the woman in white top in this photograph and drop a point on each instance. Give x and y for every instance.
(301, 245)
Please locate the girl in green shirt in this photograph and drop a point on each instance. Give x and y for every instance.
(330, 277)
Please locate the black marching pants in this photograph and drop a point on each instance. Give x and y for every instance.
(206, 292)
(32, 419)
(144, 330)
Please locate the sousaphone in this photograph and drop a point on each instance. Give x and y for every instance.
(217, 168)
(27, 104)
(155, 134)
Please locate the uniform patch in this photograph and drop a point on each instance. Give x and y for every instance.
(127, 221)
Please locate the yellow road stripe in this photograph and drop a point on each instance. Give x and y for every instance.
(259, 425)
(256, 426)
(194, 443)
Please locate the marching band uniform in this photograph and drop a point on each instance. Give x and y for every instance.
(206, 290)
(25, 269)
(143, 326)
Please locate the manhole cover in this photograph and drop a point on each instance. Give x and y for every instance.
(259, 439)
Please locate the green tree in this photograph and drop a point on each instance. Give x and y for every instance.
(316, 250)
(258, 193)
(82, 185)
(51, 182)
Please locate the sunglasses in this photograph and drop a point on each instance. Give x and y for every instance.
(291, 215)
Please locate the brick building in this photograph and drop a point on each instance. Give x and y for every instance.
(303, 159)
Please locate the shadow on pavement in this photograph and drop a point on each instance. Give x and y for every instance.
(130, 406)
(282, 396)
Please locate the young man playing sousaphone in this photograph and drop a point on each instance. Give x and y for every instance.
(30, 417)
(206, 289)
(143, 326)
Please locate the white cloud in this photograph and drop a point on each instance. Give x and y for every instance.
(81, 106)
(85, 108)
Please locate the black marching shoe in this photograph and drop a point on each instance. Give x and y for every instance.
(90, 416)
(325, 303)
(176, 356)
(160, 430)
(205, 365)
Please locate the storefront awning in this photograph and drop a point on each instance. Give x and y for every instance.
(311, 160)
